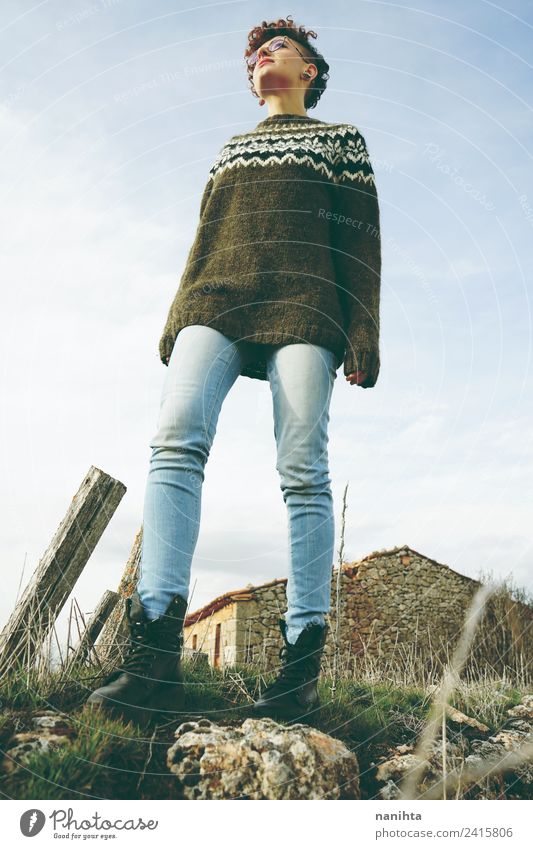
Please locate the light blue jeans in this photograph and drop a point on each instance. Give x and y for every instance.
(203, 367)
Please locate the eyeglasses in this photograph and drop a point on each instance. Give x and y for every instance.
(275, 44)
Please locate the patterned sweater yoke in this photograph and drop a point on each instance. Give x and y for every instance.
(288, 246)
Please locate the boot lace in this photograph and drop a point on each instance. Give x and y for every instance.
(144, 646)
(293, 671)
(140, 652)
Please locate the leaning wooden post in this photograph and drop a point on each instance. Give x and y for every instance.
(337, 642)
(61, 565)
(113, 639)
(94, 627)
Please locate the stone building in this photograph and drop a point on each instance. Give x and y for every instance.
(391, 601)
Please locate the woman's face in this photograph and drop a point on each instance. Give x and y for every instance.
(281, 69)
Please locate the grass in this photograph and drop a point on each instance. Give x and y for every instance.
(370, 703)
(109, 759)
(102, 762)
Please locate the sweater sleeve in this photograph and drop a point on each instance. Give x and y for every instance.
(357, 254)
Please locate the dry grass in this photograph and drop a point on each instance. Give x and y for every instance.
(371, 702)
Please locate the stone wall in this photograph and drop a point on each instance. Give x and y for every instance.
(396, 604)
(259, 636)
(401, 600)
(205, 633)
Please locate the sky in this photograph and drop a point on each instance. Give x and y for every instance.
(111, 114)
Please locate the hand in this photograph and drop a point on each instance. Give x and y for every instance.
(356, 377)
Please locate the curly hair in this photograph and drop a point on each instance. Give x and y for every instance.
(258, 35)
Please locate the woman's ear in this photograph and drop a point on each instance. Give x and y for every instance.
(261, 102)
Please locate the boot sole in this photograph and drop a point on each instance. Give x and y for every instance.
(286, 715)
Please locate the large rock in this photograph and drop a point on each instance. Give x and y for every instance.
(261, 759)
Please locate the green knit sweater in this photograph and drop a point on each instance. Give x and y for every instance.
(288, 245)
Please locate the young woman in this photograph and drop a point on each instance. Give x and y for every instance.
(282, 283)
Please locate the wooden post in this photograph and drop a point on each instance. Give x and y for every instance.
(113, 639)
(93, 629)
(74, 541)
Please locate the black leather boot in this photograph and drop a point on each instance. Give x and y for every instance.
(149, 679)
(294, 693)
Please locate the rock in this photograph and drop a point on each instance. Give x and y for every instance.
(25, 744)
(515, 783)
(261, 759)
(48, 720)
(52, 732)
(392, 771)
(466, 752)
(524, 710)
(464, 722)
(395, 768)
(403, 748)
